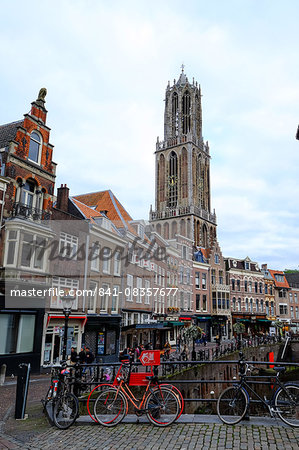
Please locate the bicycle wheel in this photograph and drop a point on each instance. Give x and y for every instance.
(179, 395)
(65, 411)
(110, 407)
(232, 405)
(162, 407)
(91, 398)
(287, 404)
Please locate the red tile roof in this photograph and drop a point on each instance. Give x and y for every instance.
(284, 284)
(89, 213)
(106, 201)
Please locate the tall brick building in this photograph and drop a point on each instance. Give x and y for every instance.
(28, 177)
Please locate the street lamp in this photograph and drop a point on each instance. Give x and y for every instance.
(67, 302)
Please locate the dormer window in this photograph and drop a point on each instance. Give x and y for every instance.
(34, 147)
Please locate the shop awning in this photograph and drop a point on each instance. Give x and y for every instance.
(263, 320)
(174, 324)
(203, 317)
(62, 316)
(153, 326)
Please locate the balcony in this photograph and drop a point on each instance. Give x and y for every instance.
(183, 211)
(178, 140)
(28, 212)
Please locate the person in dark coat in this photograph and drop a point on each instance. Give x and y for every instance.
(89, 358)
(73, 356)
(82, 356)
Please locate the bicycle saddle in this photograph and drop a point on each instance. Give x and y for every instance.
(279, 369)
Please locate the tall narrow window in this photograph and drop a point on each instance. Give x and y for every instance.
(204, 236)
(34, 147)
(161, 178)
(186, 110)
(175, 114)
(184, 173)
(28, 194)
(173, 180)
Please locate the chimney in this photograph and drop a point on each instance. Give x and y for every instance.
(62, 198)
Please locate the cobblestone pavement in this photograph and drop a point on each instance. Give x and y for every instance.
(145, 436)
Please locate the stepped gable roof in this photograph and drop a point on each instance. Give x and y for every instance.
(106, 201)
(8, 132)
(281, 284)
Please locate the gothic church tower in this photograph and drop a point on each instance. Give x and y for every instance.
(183, 199)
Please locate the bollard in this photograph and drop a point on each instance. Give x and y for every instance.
(22, 390)
(2, 374)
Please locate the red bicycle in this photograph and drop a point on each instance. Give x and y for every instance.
(162, 402)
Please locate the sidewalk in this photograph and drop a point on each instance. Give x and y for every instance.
(191, 431)
(132, 436)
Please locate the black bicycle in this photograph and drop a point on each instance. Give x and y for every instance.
(60, 405)
(233, 403)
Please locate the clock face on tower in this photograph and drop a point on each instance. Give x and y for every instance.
(172, 180)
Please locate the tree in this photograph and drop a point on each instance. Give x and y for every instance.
(279, 326)
(191, 333)
(239, 328)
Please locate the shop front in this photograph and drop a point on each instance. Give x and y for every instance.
(102, 335)
(175, 327)
(155, 333)
(52, 346)
(254, 324)
(220, 326)
(205, 323)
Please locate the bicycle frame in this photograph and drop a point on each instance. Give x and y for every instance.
(267, 403)
(124, 388)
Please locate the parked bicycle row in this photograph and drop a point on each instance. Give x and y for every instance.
(108, 401)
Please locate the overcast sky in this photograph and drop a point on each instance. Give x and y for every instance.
(106, 66)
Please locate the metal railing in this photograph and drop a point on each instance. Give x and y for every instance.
(28, 212)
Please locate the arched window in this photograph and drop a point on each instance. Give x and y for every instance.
(161, 179)
(197, 116)
(272, 309)
(29, 199)
(166, 230)
(174, 229)
(173, 180)
(239, 304)
(246, 304)
(184, 173)
(34, 147)
(204, 236)
(234, 303)
(28, 192)
(186, 110)
(182, 227)
(175, 114)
